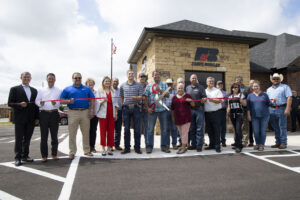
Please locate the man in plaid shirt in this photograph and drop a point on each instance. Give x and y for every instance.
(135, 91)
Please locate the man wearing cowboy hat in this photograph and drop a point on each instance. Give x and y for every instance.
(280, 107)
(171, 128)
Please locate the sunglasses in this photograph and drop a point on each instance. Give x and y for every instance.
(276, 79)
(77, 78)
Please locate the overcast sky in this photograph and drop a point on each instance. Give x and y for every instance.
(64, 36)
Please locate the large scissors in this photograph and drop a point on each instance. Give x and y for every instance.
(158, 99)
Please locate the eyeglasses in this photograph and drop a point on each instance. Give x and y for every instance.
(276, 79)
(77, 78)
(235, 88)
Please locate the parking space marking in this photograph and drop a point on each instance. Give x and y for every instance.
(67, 188)
(265, 158)
(6, 196)
(35, 171)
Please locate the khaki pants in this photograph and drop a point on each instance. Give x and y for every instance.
(245, 130)
(79, 118)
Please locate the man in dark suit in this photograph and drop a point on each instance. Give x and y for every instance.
(25, 116)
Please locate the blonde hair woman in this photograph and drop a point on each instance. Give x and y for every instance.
(106, 112)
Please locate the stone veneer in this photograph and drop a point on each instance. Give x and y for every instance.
(172, 56)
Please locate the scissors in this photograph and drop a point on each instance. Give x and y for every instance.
(158, 99)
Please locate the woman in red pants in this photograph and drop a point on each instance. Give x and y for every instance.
(107, 115)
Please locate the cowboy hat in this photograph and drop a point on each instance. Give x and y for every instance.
(276, 75)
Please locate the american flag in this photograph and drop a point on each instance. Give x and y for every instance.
(113, 48)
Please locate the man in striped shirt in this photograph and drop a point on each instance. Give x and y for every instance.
(132, 92)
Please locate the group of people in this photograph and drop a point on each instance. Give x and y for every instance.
(181, 113)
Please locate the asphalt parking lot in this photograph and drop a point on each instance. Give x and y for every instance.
(251, 175)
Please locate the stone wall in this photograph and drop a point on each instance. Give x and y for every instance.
(173, 56)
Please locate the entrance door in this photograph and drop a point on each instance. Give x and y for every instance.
(202, 76)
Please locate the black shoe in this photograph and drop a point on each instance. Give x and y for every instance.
(18, 163)
(238, 150)
(199, 149)
(138, 151)
(224, 144)
(233, 144)
(209, 148)
(125, 151)
(93, 150)
(167, 150)
(118, 148)
(233, 147)
(218, 150)
(191, 148)
(27, 159)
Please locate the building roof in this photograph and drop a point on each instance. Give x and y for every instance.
(191, 30)
(278, 52)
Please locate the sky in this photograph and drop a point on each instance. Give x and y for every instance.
(66, 36)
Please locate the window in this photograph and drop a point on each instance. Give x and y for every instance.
(202, 76)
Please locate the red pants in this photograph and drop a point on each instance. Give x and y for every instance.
(107, 128)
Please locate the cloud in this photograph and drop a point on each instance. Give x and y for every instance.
(43, 36)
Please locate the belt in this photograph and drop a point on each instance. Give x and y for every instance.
(78, 109)
(282, 105)
(130, 106)
(54, 110)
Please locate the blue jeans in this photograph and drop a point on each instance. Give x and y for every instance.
(118, 127)
(259, 126)
(171, 128)
(196, 133)
(136, 115)
(162, 116)
(279, 123)
(144, 125)
(223, 125)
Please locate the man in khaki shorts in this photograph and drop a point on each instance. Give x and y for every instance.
(80, 113)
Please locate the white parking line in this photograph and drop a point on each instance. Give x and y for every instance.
(6, 196)
(294, 169)
(35, 171)
(67, 188)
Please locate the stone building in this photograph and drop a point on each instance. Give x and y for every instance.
(185, 47)
(181, 48)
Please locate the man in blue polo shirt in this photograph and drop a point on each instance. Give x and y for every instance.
(159, 111)
(80, 113)
(281, 96)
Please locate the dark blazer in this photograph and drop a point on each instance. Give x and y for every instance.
(23, 115)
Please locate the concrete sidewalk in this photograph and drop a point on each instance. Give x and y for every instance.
(293, 143)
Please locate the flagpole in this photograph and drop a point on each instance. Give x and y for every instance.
(111, 59)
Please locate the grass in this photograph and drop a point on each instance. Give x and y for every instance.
(5, 123)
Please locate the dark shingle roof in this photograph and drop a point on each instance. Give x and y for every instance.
(189, 29)
(276, 53)
(190, 26)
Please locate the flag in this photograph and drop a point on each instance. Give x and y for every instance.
(113, 48)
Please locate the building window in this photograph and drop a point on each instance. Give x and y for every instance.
(144, 64)
(202, 76)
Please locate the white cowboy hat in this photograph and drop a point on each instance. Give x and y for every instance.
(169, 80)
(276, 75)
